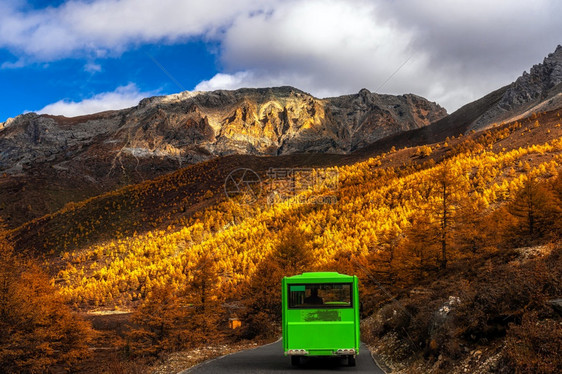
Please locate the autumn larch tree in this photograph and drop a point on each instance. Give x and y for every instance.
(203, 282)
(419, 251)
(470, 232)
(37, 329)
(201, 294)
(381, 259)
(263, 292)
(536, 210)
(450, 190)
(159, 324)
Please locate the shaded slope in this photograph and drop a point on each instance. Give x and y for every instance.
(454, 124)
(149, 205)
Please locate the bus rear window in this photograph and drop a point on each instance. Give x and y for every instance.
(320, 295)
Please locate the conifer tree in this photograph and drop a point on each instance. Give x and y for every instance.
(201, 294)
(38, 330)
(450, 190)
(263, 292)
(536, 211)
(470, 233)
(419, 252)
(159, 324)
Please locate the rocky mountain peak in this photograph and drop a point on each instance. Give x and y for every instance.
(190, 127)
(364, 92)
(536, 90)
(540, 79)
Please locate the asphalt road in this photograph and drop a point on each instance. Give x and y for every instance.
(270, 359)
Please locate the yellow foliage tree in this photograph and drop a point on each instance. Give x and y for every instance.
(38, 330)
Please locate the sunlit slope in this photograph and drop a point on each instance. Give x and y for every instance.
(170, 199)
(373, 198)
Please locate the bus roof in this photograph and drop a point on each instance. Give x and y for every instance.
(321, 276)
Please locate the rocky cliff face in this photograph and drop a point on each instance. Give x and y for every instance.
(538, 90)
(194, 126)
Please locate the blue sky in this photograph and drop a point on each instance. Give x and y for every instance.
(138, 70)
(76, 57)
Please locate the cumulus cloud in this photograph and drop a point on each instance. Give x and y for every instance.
(107, 26)
(449, 52)
(122, 97)
(229, 81)
(325, 47)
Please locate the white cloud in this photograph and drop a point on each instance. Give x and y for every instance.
(449, 52)
(228, 81)
(13, 65)
(92, 67)
(102, 26)
(320, 46)
(122, 97)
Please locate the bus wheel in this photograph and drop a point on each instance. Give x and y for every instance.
(295, 360)
(351, 360)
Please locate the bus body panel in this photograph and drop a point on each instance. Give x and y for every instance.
(328, 329)
(315, 336)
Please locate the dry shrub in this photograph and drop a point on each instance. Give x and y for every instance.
(392, 317)
(260, 324)
(117, 365)
(534, 346)
(499, 301)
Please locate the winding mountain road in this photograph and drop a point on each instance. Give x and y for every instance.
(270, 359)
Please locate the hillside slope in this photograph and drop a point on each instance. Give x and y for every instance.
(177, 242)
(539, 90)
(47, 161)
(156, 203)
(178, 196)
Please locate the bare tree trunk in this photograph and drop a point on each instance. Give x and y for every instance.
(444, 228)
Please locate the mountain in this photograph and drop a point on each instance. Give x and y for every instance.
(454, 124)
(539, 90)
(195, 126)
(47, 161)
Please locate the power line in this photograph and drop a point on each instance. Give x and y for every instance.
(176, 82)
(393, 74)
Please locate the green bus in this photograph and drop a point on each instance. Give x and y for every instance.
(321, 316)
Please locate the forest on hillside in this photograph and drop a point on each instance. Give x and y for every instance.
(448, 224)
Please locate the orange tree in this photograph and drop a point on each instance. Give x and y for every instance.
(38, 330)
(292, 255)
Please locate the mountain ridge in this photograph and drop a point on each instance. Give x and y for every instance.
(64, 159)
(538, 90)
(194, 126)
